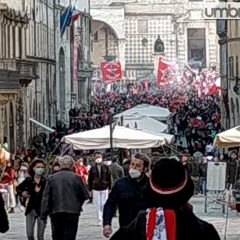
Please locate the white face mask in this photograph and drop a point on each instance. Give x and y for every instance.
(134, 173)
(99, 160)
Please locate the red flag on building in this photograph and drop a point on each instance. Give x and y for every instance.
(166, 71)
(111, 71)
(75, 16)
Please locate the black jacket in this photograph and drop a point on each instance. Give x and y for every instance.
(65, 192)
(36, 197)
(127, 195)
(189, 227)
(99, 183)
(4, 224)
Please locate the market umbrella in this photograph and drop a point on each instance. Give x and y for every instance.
(229, 138)
(122, 138)
(158, 113)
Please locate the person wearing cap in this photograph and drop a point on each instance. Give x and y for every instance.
(62, 200)
(127, 194)
(168, 216)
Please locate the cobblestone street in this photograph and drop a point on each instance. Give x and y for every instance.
(89, 229)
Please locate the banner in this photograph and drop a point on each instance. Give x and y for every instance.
(75, 60)
(111, 71)
(166, 71)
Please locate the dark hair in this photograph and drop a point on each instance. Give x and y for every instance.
(97, 153)
(56, 164)
(115, 159)
(33, 164)
(144, 158)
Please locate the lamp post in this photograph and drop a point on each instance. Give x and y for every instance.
(111, 135)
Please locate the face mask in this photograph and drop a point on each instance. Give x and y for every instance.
(39, 171)
(99, 160)
(134, 173)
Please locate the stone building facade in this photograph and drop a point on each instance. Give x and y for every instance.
(38, 64)
(127, 31)
(229, 33)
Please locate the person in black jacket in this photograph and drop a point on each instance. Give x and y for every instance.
(99, 184)
(32, 189)
(127, 195)
(168, 216)
(4, 224)
(62, 200)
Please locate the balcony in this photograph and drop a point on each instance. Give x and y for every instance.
(16, 73)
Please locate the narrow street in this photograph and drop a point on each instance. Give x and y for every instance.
(89, 229)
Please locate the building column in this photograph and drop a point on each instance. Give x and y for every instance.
(17, 46)
(1, 38)
(11, 41)
(4, 40)
(23, 30)
(121, 52)
(7, 39)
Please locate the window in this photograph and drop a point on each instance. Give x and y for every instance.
(237, 106)
(96, 36)
(237, 71)
(236, 27)
(231, 66)
(142, 26)
(196, 47)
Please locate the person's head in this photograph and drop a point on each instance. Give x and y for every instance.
(37, 167)
(24, 168)
(98, 157)
(139, 165)
(115, 160)
(56, 167)
(233, 155)
(184, 160)
(66, 162)
(169, 185)
(221, 157)
(5, 139)
(80, 161)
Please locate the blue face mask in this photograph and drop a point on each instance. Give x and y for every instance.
(39, 171)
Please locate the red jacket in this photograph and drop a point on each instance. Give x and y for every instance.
(9, 177)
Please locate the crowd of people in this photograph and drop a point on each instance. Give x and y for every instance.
(138, 197)
(40, 182)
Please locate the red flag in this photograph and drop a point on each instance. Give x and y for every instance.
(75, 16)
(111, 71)
(166, 71)
(214, 89)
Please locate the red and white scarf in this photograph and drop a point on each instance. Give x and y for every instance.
(161, 224)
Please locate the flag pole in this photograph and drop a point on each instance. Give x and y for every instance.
(66, 17)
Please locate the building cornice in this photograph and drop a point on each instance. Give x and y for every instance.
(234, 39)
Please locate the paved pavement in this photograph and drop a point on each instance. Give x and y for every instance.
(89, 229)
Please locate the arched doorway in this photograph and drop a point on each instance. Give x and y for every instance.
(104, 42)
(62, 84)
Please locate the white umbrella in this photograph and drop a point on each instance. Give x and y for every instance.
(122, 138)
(158, 113)
(144, 123)
(229, 138)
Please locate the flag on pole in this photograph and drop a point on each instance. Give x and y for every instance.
(75, 15)
(65, 18)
